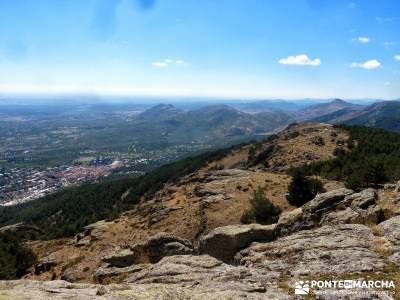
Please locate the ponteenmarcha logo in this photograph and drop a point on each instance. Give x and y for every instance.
(343, 286)
(302, 287)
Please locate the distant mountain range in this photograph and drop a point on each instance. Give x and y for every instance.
(321, 109)
(385, 114)
(269, 105)
(221, 123)
(212, 124)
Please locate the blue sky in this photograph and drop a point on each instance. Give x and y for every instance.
(213, 48)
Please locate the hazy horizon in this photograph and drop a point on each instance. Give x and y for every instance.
(136, 99)
(213, 49)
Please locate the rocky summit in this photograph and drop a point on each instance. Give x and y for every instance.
(188, 241)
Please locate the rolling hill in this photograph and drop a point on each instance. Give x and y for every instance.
(215, 124)
(321, 109)
(385, 114)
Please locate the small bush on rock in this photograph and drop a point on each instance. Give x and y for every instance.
(262, 210)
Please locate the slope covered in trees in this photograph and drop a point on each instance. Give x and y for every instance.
(15, 258)
(373, 158)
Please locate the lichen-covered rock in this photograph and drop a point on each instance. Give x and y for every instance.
(106, 272)
(96, 230)
(391, 229)
(337, 249)
(326, 201)
(73, 274)
(373, 214)
(397, 188)
(288, 218)
(122, 258)
(363, 199)
(224, 242)
(223, 288)
(167, 244)
(347, 216)
(310, 214)
(178, 269)
(207, 272)
(46, 264)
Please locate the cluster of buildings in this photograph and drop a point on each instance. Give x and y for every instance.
(23, 184)
(18, 185)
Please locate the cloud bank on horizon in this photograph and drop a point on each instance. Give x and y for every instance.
(253, 49)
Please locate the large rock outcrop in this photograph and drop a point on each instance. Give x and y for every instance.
(325, 202)
(341, 206)
(58, 289)
(167, 244)
(106, 274)
(391, 231)
(155, 248)
(224, 242)
(327, 250)
(95, 230)
(174, 277)
(122, 258)
(209, 273)
(363, 199)
(346, 216)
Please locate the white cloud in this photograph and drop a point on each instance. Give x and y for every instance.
(159, 64)
(368, 65)
(167, 62)
(362, 39)
(383, 20)
(301, 60)
(388, 45)
(387, 83)
(397, 57)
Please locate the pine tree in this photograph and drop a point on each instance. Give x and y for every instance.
(302, 189)
(262, 210)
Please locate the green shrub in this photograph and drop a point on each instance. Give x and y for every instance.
(252, 152)
(339, 152)
(262, 210)
(319, 141)
(302, 189)
(247, 217)
(15, 258)
(354, 182)
(350, 144)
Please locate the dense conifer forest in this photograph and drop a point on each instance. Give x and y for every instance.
(372, 158)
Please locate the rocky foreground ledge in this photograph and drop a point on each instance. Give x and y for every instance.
(174, 277)
(24, 289)
(338, 235)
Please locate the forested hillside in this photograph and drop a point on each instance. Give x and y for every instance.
(15, 257)
(374, 158)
